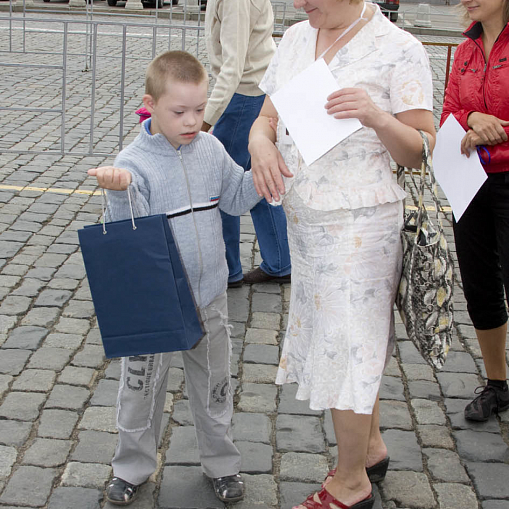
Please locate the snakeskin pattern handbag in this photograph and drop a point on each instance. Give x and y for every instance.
(425, 295)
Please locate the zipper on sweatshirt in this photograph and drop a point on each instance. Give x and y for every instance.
(200, 258)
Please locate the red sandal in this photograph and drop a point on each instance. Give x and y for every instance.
(326, 499)
(376, 473)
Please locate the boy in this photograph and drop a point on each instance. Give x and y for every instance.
(173, 168)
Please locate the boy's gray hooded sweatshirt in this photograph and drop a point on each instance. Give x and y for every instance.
(189, 185)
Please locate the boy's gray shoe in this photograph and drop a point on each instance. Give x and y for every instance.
(120, 492)
(229, 488)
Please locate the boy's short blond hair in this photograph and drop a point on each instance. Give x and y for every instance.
(172, 65)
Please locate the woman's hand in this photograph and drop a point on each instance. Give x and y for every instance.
(354, 103)
(470, 142)
(108, 177)
(267, 166)
(488, 128)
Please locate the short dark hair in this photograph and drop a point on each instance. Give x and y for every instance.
(176, 65)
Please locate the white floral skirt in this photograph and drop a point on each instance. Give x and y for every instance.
(346, 266)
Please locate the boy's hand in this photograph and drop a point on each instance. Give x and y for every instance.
(108, 177)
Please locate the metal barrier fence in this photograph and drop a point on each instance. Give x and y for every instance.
(71, 86)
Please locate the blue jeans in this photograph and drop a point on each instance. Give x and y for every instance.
(232, 130)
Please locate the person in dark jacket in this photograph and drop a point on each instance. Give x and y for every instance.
(478, 96)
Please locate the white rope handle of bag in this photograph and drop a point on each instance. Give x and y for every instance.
(104, 206)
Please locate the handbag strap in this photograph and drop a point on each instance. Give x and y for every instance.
(426, 169)
(104, 206)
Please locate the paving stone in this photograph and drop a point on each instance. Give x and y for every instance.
(424, 390)
(14, 269)
(260, 398)
(99, 419)
(9, 249)
(299, 434)
(67, 397)
(261, 336)
(73, 375)
(392, 388)
(114, 368)
(63, 284)
(186, 488)
(455, 385)
(261, 373)
(29, 287)
(23, 406)
(50, 358)
(409, 490)
(183, 448)
(445, 466)
(494, 504)
(94, 337)
(409, 353)
(46, 452)
(271, 321)
(7, 459)
(303, 467)
(428, 412)
(29, 486)
(94, 447)
(481, 446)
(250, 427)
(15, 305)
(42, 273)
(490, 479)
(459, 362)
(289, 405)
(61, 340)
(182, 413)
(79, 309)
(44, 317)
(12, 361)
(455, 410)
(84, 498)
(49, 298)
(256, 457)
(14, 432)
(91, 356)
(261, 354)
(239, 330)
(294, 493)
(105, 394)
(50, 260)
(34, 380)
(404, 450)
(394, 414)
(72, 326)
(435, 436)
(87, 475)
(266, 303)
(26, 338)
(260, 492)
(57, 424)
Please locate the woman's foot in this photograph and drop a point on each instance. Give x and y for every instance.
(323, 499)
(376, 472)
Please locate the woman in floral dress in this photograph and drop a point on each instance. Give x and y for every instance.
(344, 214)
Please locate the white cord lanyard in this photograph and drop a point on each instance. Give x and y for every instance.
(345, 31)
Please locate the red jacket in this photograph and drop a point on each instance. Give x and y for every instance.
(477, 85)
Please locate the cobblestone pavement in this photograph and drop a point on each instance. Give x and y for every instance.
(57, 391)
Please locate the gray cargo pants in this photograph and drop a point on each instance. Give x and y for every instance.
(142, 394)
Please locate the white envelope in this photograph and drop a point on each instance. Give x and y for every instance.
(301, 105)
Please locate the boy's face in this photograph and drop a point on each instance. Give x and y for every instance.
(178, 113)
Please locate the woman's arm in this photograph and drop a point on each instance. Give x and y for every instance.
(267, 163)
(398, 133)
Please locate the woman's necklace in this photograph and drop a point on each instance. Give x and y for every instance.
(344, 32)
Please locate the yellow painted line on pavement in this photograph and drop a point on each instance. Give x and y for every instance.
(58, 190)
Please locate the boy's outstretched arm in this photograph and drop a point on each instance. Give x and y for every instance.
(109, 177)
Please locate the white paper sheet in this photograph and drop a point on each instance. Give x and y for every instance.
(301, 105)
(458, 175)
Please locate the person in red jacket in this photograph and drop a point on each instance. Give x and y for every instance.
(478, 96)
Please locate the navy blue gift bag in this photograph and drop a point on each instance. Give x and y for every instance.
(140, 291)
